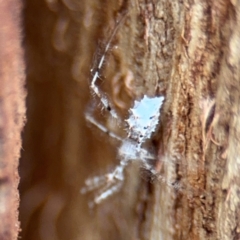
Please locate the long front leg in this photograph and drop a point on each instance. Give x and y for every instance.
(101, 127)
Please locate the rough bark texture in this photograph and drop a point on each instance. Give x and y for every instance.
(12, 114)
(187, 51)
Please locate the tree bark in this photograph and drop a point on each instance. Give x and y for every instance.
(186, 51)
(12, 114)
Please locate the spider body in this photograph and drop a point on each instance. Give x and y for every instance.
(143, 118)
(142, 123)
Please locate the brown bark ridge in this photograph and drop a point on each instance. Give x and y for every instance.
(200, 118)
(12, 115)
(184, 50)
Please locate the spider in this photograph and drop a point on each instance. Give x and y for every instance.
(141, 124)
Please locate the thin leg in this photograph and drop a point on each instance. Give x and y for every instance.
(103, 98)
(101, 127)
(108, 191)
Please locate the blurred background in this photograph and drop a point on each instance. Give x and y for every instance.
(60, 151)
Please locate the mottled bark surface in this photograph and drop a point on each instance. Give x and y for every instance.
(12, 114)
(187, 51)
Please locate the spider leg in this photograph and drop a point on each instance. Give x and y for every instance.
(107, 191)
(107, 183)
(128, 153)
(93, 183)
(113, 182)
(101, 127)
(103, 98)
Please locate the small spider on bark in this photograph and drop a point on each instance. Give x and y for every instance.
(141, 124)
